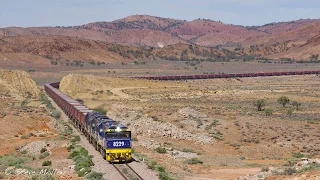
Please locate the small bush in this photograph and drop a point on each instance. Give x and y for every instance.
(298, 155)
(43, 155)
(268, 112)
(160, 150)
(188, 150)
(11, 160)
(43, 150)
(74, 154)
(265, 169)
(42, 177)
(94, 176)
(161, 169)
(83, 161)
(296, 104)
(152, 165)
(283, 100)
(76, 139)
(311, 167)
(289, 171)
(259, 104)
(164, 176)
(26, 136)
(55, 113)
(83, 171)
(46, 163)
(193, 161)
(70, 147)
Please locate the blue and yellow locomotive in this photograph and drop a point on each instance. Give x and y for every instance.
(111, 138)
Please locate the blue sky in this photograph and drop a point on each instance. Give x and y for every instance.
(30, 13)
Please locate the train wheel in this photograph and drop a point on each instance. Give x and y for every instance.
(95, 144)
(103, 153)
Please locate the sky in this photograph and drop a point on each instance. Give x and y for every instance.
(33, 13)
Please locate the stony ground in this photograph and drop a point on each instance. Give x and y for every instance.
(27, 129)
(213, 121)
(208, 128)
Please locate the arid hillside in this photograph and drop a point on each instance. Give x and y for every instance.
(17, 85)
(273, 40)
(293, 45)
(50, 50)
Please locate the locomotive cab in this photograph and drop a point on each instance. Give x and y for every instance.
(118, 144)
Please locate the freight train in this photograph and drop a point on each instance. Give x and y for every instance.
(109, 137)
(237, 75)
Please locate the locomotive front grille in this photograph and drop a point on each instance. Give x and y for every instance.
(118, 155)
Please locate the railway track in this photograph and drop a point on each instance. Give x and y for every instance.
(127, 172)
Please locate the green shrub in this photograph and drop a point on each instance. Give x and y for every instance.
(268, 112)
(83, 152)
(83, 161)
(83, 171)
(193, 161)
(265, 169)
(259, 104)
(43, 150)
(55, 113)
(74, 154)
(188, 150)
(70, 147)
(26, 136)
(12, 160)
(75, 140)
(161, 169)
(164, 176)
(94, 176)
(290, 111)
(46, 101)
(152, 165)
(296, 104)
(160, 150)
(43, 155)
(311, 167)
(68, 130)
(42, 177)
(283, 100)
(46, 163)
(298, 155)
(289, 171)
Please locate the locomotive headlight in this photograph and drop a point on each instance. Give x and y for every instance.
(118, 129)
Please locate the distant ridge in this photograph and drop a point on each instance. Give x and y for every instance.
(273, 40)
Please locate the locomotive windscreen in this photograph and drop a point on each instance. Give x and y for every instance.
(118, 135)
